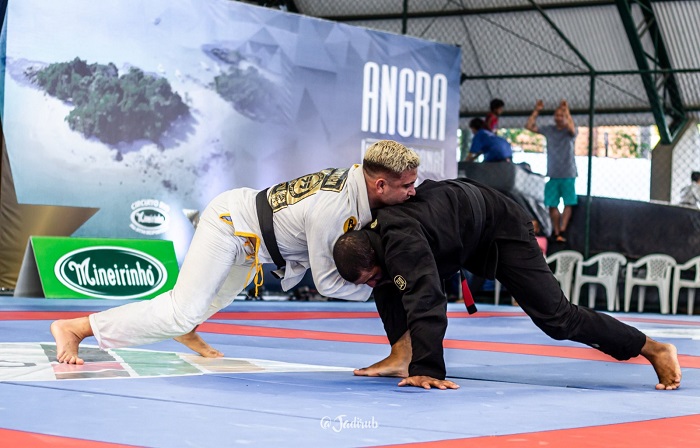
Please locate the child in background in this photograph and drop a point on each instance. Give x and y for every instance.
(495, 110)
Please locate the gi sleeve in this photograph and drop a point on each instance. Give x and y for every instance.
(387, 298)
(411, 266)
(321, 235)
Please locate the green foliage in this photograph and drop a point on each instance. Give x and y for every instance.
(626, 142)
(250, 93)
(110, 107)
(520, 137)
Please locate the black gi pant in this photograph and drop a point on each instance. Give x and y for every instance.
(524, 272)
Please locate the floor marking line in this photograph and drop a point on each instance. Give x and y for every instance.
(251, 315)
(581, 353)
(313, 315)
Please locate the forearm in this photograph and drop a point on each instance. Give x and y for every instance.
(387, 299)
(426, 345)
(471, 157)
(570, 125)
(427, 323)
(531, 124)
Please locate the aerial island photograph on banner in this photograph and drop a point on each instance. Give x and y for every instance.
(200, 97)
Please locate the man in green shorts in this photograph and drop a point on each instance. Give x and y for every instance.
(561, 165)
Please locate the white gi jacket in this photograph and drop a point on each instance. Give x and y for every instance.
(226, 252)
(309, 214)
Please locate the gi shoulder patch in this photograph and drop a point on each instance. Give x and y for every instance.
(400, 282)
(349, 224)
(289, 193)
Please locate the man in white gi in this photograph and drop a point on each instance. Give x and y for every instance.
(308, 215)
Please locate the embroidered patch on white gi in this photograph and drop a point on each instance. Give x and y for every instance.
(400, 282)
(349, 224)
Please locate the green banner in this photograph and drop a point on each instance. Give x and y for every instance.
(96, 268)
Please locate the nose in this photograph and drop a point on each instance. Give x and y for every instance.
(371, 283)
(411, 191)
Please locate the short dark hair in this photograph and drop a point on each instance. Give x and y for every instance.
(496, 103)
(476, 123)
(695, 176)
(353, 255)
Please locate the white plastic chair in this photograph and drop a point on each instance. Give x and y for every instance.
(650, 270)
(607, 266)
(691, 284)
(565, 262)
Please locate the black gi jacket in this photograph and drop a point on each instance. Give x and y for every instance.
(446, 226)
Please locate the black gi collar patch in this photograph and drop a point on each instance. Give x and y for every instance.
(400, 282)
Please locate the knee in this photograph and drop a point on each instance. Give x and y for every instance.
(187, 320)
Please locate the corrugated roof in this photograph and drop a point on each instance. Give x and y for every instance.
(507, 37)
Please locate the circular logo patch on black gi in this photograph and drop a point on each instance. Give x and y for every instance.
(400, 282)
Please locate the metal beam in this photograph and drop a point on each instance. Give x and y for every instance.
(605, 111)
(466, 11)
(591, 117)
(581, 74)
(670, 117)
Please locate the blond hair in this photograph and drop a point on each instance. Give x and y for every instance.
(389, 157)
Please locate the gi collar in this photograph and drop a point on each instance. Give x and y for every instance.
(375, 241)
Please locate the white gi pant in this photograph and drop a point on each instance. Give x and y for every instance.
(216, 268)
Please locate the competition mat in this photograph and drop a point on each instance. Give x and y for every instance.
(286, 380)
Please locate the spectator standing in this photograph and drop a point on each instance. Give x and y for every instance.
(561, 165)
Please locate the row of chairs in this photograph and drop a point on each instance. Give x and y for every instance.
(658, 270)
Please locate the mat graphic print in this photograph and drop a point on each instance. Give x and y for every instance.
(36, 362)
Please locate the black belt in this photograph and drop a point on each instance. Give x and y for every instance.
(267, 229)
(477, 201)
(478, 210)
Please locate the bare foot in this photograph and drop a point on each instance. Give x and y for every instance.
(664, 358)
(68, 334)
(194, 342)
(388, 366)
(396, 364)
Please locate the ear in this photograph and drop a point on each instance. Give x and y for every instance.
(380, 184)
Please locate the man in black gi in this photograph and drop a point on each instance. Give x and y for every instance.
(407, 252)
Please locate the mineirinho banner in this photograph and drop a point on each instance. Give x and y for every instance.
(96, 268)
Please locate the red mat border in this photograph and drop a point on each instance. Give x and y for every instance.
(672, 432)
(24, 439)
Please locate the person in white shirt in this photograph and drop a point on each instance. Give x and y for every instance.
(308, 215)
(690, 194)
